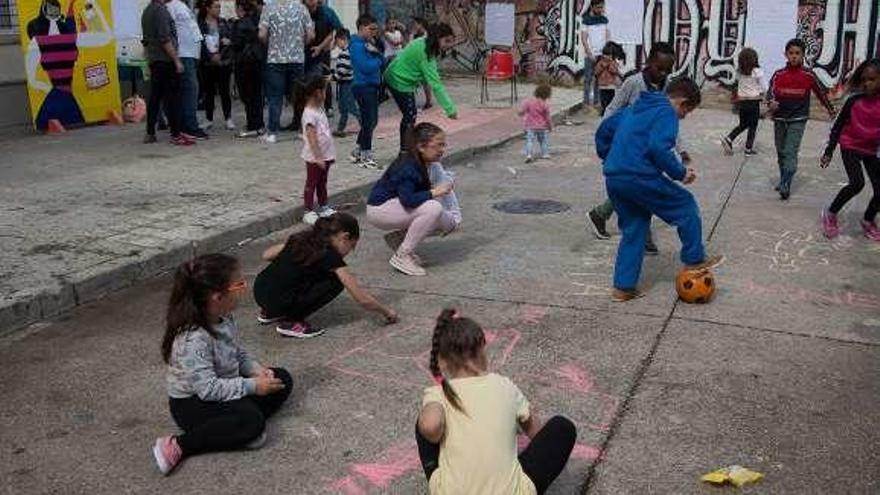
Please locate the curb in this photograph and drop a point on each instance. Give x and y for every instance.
(111, 276)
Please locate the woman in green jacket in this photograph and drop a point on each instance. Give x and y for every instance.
(415, 66)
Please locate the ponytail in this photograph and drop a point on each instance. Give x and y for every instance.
(194, 283)
(456, 340)
(311, 245)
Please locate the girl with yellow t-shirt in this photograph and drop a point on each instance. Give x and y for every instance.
(468, 424)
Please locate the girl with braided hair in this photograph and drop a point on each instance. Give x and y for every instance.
(307, 272)
(466, 431)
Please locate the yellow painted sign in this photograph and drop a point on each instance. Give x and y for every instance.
(70, 56)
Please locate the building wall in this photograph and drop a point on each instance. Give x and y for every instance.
(13, 95)
(707, 33)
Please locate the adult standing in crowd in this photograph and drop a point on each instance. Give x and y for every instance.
(417, 65)
(189, 42)
(286, 27)
(317, 63)
(594, 35)
(216, 68)
(249, 56)
(160, 47)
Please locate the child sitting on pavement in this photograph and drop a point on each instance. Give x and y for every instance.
(637, 146)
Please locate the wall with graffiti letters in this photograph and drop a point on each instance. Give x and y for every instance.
(708, 34)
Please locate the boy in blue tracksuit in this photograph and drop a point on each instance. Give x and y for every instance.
(640, 165)
(366, 62)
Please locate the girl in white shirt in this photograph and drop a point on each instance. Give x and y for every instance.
(749, 92)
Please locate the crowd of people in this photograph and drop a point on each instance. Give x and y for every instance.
(220, 396)
(269, 52)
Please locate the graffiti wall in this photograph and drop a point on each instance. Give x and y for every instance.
(707, 34)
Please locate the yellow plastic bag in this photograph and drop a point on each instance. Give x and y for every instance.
(735, 475)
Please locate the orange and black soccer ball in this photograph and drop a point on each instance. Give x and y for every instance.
(695, 286)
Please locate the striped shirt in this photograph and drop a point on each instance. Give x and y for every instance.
(343, 72)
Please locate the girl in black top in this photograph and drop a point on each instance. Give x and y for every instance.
(307, 272)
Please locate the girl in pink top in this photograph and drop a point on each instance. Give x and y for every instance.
(537, 122)
(857, 129)
(318, 151)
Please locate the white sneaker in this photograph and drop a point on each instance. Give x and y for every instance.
(258, 442)
(529, 159)
(230, 125)
(206, 125)
(368, 163)
(310, 217)
(248, 134)
(355, 156)
(406, 264)
(268, 139)
(325, 211)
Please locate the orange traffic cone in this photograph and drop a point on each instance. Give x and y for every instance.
(114, 118)
(54, 127)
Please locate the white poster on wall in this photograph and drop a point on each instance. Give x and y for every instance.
(769, 25)
(625, 19)
(500, 24)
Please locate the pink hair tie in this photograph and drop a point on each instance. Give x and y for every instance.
(438, 379)
(456, 315)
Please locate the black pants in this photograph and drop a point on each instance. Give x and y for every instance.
(605, 97)
(406, 102)
(542, 460)
(215, 426)
(749, 115)
(300, 306)
(852, 162)
(249, 78)
(164, 91)
(215, 79)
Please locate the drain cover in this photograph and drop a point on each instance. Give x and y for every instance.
(531, 206)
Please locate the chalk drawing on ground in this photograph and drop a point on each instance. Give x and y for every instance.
(790, 251)
(399, 358)
(592, 278)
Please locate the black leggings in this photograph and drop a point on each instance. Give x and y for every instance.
(852, 162)
(606, 96)
(542, 460)
(305, 303)
(249, 78)
(215, 426)
(406, 102)
(216, 79)
(749, 115)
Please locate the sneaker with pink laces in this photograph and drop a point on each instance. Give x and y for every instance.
(871, 230)
(167, 454)
(829, 224)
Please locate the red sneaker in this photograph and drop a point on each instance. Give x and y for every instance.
(182, 140)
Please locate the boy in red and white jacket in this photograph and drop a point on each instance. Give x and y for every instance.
(789, 101)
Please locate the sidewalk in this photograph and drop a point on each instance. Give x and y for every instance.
(92, 211)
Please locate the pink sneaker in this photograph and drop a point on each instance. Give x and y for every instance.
(871, 230)
(829, 224)
(167, 454)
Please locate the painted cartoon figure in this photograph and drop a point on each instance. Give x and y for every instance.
(55, 40)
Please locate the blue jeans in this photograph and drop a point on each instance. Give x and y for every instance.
(589, 81)
(189, 94)
(542, 136)
(347, 105)
(788, 144)
(635, 199)
(368, 100)
(280, 80)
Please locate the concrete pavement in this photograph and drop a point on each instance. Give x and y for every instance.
(94, 210)
(777, 374)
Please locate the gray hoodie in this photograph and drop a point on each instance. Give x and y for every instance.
(213, 369)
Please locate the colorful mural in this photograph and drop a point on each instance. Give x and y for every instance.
(707, 34)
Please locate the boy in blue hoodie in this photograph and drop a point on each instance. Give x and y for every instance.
(637, 145)
(366, 60)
